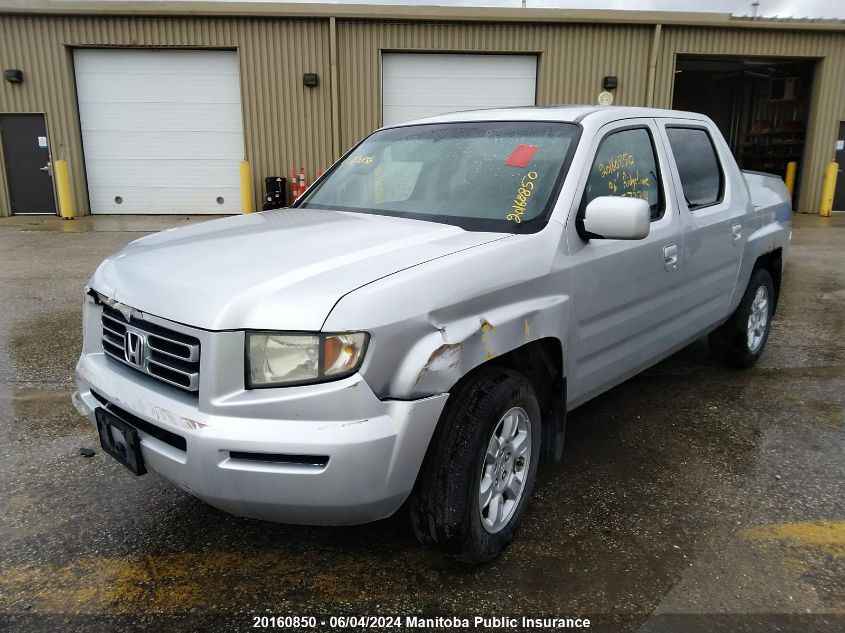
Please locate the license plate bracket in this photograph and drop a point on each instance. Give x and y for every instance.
(120, 440)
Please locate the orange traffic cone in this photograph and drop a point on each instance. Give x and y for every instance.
(294, 194)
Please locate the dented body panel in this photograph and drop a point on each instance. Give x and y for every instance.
(437, 301)
(436, 326)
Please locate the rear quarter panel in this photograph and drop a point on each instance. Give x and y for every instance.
(771, 222)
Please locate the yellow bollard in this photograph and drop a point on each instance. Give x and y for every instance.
(247, 203)
(828, 188)
(789, 179)
(66, 209)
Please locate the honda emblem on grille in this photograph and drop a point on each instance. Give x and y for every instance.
(133, 348)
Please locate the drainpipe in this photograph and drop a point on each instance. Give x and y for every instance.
(652, 66)
(334, 89)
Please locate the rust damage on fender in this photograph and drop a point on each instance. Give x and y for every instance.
(447, 356)
(486, 328)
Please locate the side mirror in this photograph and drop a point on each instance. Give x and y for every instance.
(617, 218)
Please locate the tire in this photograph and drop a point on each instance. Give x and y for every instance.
(739, 341)
(446, 508)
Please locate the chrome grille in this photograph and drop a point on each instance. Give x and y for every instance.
(169, 356)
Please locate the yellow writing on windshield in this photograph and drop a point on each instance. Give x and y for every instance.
(523, 193)
(359, 160)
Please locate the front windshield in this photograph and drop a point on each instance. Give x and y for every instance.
(490, 176)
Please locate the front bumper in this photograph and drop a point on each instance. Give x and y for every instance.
(374, 447)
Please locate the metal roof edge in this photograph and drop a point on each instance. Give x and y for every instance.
(204, 8)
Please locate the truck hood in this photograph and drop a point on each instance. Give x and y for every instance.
(277, 270)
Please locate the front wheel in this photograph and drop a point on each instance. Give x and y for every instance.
(475, 483)
(741, 339)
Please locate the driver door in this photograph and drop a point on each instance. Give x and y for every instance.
(626, 312)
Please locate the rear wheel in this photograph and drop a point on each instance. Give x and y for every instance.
(741, 339)
(480, 469)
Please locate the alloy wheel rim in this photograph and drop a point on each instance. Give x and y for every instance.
(504, 470)
(758, 319)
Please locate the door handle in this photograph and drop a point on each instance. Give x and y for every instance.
(737, 231)
(47, 169)
(670, 256)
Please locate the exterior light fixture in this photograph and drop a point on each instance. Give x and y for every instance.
(13, 75)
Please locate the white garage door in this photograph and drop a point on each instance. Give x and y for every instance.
(161, 129)
(418, 85)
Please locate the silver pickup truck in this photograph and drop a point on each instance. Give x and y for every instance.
(417, 326)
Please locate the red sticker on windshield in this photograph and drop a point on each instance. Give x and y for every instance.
(521, 155)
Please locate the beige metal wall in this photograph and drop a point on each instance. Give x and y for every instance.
(285, 124)
(572, 60)
(827, 102)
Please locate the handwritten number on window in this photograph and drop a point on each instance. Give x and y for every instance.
(523, 193)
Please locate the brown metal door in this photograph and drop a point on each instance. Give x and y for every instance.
(27, 158)
(839, 192)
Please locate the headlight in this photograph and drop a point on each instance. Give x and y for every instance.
(276, 359)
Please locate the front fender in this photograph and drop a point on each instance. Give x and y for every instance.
(434, 323)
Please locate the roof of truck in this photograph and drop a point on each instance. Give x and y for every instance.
(564, 113)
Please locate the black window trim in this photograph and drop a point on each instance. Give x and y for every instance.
(721, 197)
(534, 225)
(661, 197)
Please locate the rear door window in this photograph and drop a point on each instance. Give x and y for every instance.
(701, 174)
(626, 165)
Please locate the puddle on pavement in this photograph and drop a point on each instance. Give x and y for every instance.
(833, 295)
(44, 413)
(45, 349)
(41, 354)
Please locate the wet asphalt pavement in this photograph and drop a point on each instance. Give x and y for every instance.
(690, 490)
